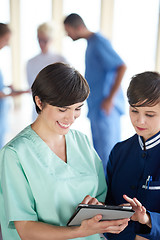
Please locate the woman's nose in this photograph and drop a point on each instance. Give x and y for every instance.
(70, 117)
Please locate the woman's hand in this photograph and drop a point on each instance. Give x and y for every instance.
(94, 225)
(140, 214)
(90, 200)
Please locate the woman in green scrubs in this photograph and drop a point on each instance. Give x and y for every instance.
(48, 169)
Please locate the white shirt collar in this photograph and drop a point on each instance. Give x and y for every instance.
(150, 143)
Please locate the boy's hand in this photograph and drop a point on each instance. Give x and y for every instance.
(140, 214)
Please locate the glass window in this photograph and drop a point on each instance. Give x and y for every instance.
(75, 53)
(5, 54)
(134, 37)
(4, 11)
(33, 13)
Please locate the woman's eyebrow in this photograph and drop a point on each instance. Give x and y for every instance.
(81, 105)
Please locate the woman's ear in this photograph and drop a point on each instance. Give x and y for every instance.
(38, 102)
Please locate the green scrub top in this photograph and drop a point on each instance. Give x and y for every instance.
(36, 185)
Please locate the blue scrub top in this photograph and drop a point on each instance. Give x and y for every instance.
(101, 66)
(4, 108)
(1, 82)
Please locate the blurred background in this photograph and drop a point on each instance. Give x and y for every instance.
(133, 27)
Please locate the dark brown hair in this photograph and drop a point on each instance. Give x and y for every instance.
(74, 20)
(4, 28)
(144, 89)
(59, 85)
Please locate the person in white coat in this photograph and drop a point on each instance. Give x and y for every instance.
(44, 58)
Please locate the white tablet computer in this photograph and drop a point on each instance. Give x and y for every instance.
(85, 211)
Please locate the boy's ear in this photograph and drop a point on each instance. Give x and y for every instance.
(38, 102)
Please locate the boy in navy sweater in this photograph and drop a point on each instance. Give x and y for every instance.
(134, 164)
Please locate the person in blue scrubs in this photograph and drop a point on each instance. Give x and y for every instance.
(48, 168)
(134, 164)
(5, 34)
(104, 72)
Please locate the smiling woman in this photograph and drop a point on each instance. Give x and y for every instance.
(51, 167)
(59, 85)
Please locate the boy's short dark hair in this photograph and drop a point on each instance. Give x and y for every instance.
(59, 85)
(144, 89)
(74, 20)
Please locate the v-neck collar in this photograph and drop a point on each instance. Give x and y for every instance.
(48, 148)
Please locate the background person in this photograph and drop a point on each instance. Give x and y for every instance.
(104, 72)
(5, 91)
(45, 57)
(48, 169)
(134, 164)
